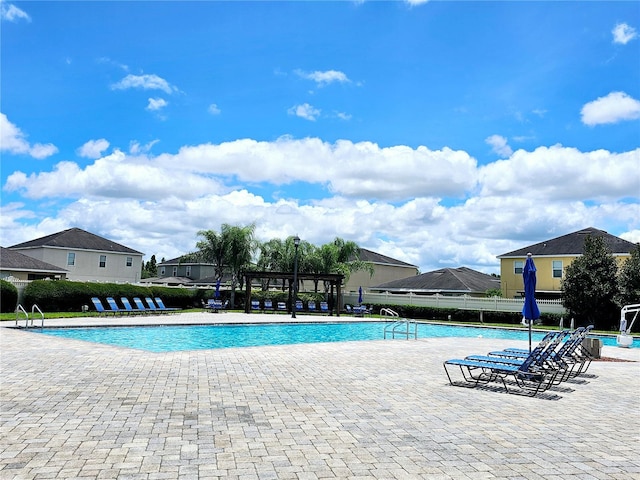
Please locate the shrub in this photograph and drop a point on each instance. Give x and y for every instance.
(8, 297)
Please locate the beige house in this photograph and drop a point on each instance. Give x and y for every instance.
(551, 257)
(86, 257)
(386, 269)
(15, 265)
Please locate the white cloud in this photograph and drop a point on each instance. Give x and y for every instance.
(623, 33)
(93, 148)
(135, 148)
(144, 82)
(499, 145)
(213, 109)
(395, 200)
(414, 3)
(156, 104)
(612, 108)
(324, 78)
(557, 173)
(305, 111)
(13, 140)
(11, 13)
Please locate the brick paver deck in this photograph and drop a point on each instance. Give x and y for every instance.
(355, 410)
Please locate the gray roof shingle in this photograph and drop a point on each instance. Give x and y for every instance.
(461, 279)
(12, 260)
(573, 244)
(78, 239)
(374, 257)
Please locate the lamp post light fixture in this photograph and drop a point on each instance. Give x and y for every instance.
(296, 243)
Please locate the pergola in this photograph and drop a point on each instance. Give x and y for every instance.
(334, 279)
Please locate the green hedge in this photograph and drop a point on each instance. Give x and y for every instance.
(66, 296)
(8, 297)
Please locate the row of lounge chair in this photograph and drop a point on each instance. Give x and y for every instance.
(126, 308)
(267, 306)
(559, 357)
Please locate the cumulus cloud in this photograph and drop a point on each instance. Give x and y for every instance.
(156, 104)
(13, 140)
(324, 78)
(305, 111)
(213, 109)
(499, 145)
(113, 176)
(612, 108)
(623, 33)
(144, 82)
(11, 13)
(93, 148)
(432, 208)
(543, 174)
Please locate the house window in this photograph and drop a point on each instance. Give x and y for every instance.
(71, 258)
(557, 269)
(188, 268)
(129, 261)
(518, 265)
(175, 272)
(162, 271)
(103, 261)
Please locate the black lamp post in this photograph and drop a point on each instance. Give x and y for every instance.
(296, 243)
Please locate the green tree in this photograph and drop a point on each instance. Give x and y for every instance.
(150, 268)
(629, 280)
(589, 288)
(339, 256)
(240, 246)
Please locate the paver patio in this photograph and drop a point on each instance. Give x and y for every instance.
(354, 410)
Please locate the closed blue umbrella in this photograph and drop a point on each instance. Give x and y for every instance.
(530, 310)
(217, 294)
(360, 295)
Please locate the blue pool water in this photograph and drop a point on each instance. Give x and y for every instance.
(176, 338)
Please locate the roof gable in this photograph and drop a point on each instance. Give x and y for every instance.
(461, 279)
(79, 239)
(12, 260)
(573, 244)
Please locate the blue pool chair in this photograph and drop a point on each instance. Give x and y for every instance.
(140, 305)
(162, 308)
(311, 306)
(114, 306)
(282, 307)
(128, 308)
(299, 306)
(268, 305)
(99, 307)
(255, 305)
(324, 307)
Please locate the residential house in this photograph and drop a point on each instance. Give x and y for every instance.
(17, 266)
(178, 272)
(551, 258)
(85, 256)
(445, 281)
(386, 269)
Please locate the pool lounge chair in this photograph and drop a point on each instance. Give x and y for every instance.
(282, 307)
(140, 305)
(268, 305)
(528, 377)
(255, 305)
(128, 308)
(214, 305)
(311, 306)
(100, 308)
(324, 307)
(299, 306)
(114, 306)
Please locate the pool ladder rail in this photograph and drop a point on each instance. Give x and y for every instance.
(405, 327)
(20, 310)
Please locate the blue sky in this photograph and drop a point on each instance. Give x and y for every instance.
(439, 133)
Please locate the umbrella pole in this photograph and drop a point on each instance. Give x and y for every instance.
(530, 321)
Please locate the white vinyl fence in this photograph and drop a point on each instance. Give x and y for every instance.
(463, 302)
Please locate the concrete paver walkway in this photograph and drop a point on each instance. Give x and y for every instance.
(354, 410)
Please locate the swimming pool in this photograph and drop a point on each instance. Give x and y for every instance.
(177, 338)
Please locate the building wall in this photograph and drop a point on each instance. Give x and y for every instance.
(512, 283)
(382, 274)
(35, 275)
(87, 264)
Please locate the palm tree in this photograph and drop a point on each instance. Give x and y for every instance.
(240, 246)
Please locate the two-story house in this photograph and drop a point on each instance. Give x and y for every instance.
(551, 257)
(85, 256)
(385, 269)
